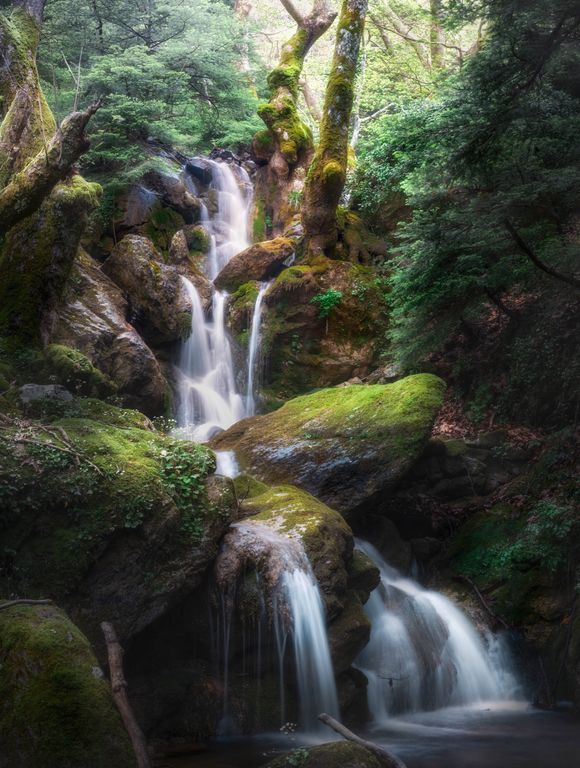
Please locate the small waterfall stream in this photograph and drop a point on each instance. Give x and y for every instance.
(424, 653)
(209, 397)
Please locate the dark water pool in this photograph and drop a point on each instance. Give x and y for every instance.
(483, 737)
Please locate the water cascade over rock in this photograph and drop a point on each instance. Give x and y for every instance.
(424, 653)
(269, 576)
(209, 392)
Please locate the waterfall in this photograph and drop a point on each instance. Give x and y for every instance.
(208, 396)
(316, 686)
(294, 622)
(424, 653)
(253, 350)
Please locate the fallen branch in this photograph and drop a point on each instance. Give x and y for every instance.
(387, 758)
(483, 601)
(24, 601)
(119, 688)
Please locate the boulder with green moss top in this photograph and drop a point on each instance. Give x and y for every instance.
(75, 371)
(105, 515)
(307, 348)
(93, 321)
(56, 707)
(260, 262)
(338, 753)
(154, 289)
(348, 445)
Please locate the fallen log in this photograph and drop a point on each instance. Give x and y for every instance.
(119, 688)
(388, 759)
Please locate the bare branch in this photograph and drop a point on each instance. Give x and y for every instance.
(293, 11)
(527, 251)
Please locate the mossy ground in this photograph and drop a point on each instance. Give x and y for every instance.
(56, 708)
(340, 753)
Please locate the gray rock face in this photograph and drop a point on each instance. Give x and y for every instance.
(154, 290)
(32, 392)
(93, 320)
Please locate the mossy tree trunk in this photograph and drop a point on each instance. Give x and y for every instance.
(327, 174)
(44, 204)
(286, 145)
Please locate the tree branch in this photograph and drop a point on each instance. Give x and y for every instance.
(527, 251)
(404, 30)
(28, 188)
(293, 11)
(387, 758)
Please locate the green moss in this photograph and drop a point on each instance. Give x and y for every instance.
(248, 487)
(162, 224)
(259, 222)
(56, 707)
(76, 372)
(245, 297)
(76, 481)
(340, 753)
(198, 239)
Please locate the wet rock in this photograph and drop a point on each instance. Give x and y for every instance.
(93, 321)
(261, 262)
(348, 445)
(173, 193)
(200, 169)
(348, 633)
(154, 290)
(339, 753)
(57, 705)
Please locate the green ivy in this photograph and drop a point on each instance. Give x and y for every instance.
(327, 301)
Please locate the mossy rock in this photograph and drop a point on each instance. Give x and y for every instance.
(76, 372)
(260, 262)
(56, 707)
(339, 753)
(347, 445)
(106, 515)
(307, 349)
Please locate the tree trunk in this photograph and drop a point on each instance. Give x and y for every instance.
(327, 174)
(437, 35)
(44, 205)
(286, 144)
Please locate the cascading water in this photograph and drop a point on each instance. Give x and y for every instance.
(285, 582)
(208, 394)
(424, 653)
(253, 350)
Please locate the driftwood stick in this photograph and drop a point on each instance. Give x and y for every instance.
(483, 601)
(24, 601)
(119, 688)
(386, 757)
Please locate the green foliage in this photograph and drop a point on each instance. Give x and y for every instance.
(184, 467)
(497, 143)
(327, 301)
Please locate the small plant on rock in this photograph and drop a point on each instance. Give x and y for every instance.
(326, 302)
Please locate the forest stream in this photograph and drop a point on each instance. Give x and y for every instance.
(289, 384)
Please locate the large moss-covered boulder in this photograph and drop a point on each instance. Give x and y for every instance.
(93, 321)
(154, 289)
(338, 754)
(107, 516)
(56, 707)
(347, 446)
(261, 261)
(309, 344)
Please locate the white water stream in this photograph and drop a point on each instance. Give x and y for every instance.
(208, 388)
(424, 653)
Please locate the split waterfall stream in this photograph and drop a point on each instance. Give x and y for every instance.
(424, 653)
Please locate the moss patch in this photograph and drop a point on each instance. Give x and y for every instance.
(56, 708)
(76, 372)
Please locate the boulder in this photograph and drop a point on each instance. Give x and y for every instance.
(306, 349)
(348, 446)
(93, 321)
(261, 262)
(154, 290)
(113, 520)
(186, 258)
(56, 705)
(339, 753)
(29, 393)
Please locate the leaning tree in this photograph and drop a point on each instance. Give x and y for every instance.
(44, 202)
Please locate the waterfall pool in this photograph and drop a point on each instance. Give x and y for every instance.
(487, 736)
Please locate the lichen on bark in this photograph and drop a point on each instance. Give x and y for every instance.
(327, 174)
